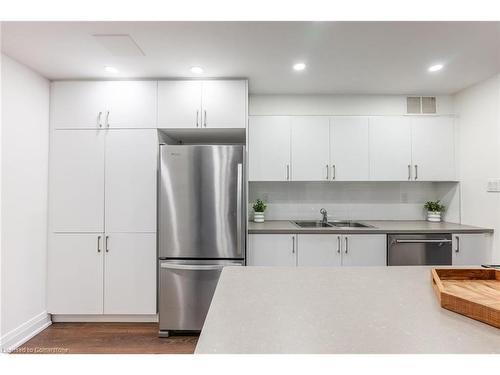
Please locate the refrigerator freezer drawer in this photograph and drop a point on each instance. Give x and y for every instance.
(186, 289)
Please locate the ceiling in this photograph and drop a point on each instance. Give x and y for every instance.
(341, 57)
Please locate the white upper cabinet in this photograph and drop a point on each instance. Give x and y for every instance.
(433, 151)
(349, 148)
(269, 148)
(310, 148)
(103, 104)
(202, 104)
(364, 250)
(390, 148)
(272, 250)
(131, 104)
(130, 273)
(224, 104)
(179, 104)
(131, 163)
(77, 181)
(319, 250)
(76, 105)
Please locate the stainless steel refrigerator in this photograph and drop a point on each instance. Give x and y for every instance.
(201, 228)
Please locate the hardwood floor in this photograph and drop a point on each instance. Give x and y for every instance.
(107, 338)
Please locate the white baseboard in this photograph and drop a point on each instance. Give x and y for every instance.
(18, 336)
(67, 318)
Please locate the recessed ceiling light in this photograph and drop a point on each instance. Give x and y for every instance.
(435, 68)
(196, 70)
(299, 66)
(110, 69)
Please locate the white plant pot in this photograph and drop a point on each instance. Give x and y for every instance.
(433, 216)
(258, 217)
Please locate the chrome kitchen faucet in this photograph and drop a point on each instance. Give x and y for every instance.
(325, 215)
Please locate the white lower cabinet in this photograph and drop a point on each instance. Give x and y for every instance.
(317, 250)
(471, 249)
(272, 250)
(97, 273)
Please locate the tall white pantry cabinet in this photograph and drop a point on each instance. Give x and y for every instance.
(102, 214)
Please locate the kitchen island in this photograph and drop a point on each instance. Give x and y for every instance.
(336, 310)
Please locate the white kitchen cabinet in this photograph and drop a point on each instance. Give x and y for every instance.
(310, 148)
(130, 273)
(364, 250)
(77, 181)
(75, 273)
(272, 250)
(103, 104)
(471, 249)
(319, 250)
(349, 148)
(269, 148)
(390, 148)
(433, 150)
(130, 189)
(224, 104)
(202, 104)
(179, 104)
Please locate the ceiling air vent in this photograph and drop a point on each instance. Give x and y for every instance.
(420, 104)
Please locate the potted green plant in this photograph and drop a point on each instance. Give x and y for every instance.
(434, 210)
(258, 211)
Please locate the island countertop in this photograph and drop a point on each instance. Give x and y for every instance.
(336, 310)
(378, 226)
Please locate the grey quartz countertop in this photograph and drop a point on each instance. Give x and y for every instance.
(379, 226)
(336, 310)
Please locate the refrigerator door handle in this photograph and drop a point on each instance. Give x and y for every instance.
(239, 210)
(211, 267)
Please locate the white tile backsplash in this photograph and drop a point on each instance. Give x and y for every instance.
(354, 200)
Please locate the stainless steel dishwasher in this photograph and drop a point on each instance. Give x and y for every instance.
(419, 249)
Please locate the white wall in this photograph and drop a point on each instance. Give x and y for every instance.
(478, 110)
(24, 153)
(337, 105)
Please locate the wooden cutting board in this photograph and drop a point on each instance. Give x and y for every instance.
(471, 292)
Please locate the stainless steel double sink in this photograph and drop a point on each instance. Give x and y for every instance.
(331, 224)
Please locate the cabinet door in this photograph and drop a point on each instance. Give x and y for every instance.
(310, 148)
(224, 104)
(433, 151)
(77, 181)
(390, 148)
(471, 249)
(130, 273)
(131, 164)
(364, 250)
(349, 148)
(77, 105)
(179, 104)
(75, 273)
(272, 250)
(319, 250)
(131, 104)
(269, 148)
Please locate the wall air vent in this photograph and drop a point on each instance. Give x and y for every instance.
(420, 105)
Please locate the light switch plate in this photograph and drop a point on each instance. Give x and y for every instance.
(494, 185)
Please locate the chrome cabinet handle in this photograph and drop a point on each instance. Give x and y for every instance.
(338, 244)
(98, 244)
(106, 240)
(239, 209)
(334, 172)
(327, 172)
(205, 119)
(409, 172)
(293, 244)
(107, 119)
(288, 172)
(197, 116)
(346, 244)
(457, 250)
(99, 119)
(416, 171)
